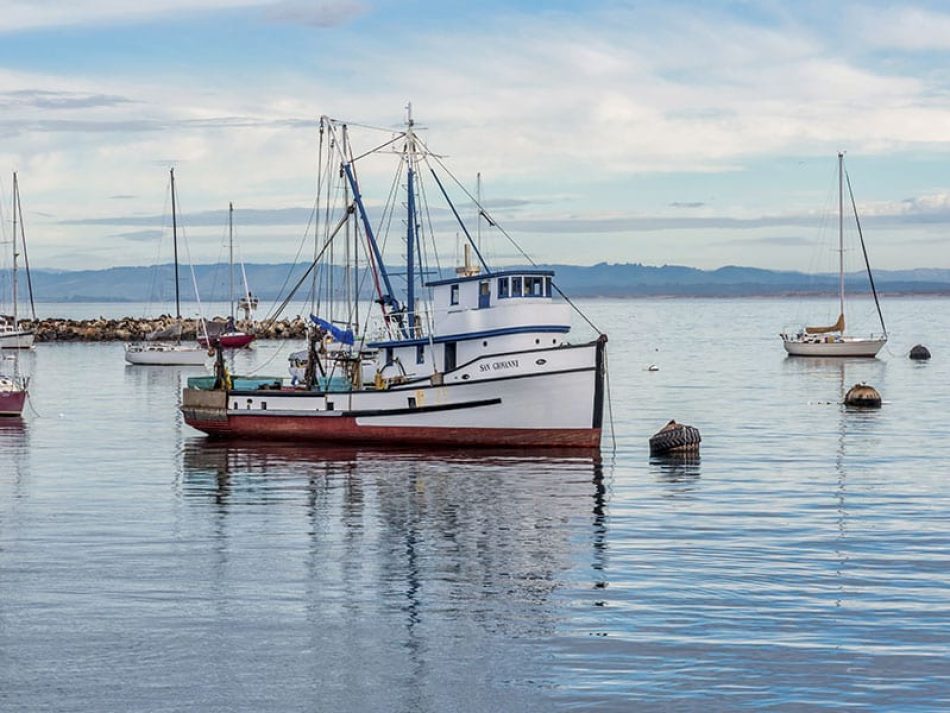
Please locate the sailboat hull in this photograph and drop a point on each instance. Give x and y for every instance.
(16, 340)
(12, 401)
(846, 347)
(165, 355)
(229, 340)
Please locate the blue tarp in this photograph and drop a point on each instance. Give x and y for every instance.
(344, 336)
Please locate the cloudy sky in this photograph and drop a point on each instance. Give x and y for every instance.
(695, 133)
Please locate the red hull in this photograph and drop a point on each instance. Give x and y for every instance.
(344, 429)
(12, 402)
(234, 340)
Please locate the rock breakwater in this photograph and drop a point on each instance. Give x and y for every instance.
(132, 329)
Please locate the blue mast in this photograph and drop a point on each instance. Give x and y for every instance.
(387, 298)
(410, 260)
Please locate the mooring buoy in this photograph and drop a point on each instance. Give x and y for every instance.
(919, 352)
(863, 396)
(675, 438)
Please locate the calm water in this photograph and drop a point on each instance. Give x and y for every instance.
(802, 563)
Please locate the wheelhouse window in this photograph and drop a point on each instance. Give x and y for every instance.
(504, 287)
(454, 295)
(420, 353)
(547, 286)
(533, 286)
(516, 287)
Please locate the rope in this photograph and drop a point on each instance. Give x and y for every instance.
(610, 407)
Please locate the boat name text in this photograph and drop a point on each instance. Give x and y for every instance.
(498, 365)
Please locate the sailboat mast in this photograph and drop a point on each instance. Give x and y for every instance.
(478, 217)
(231, 258)
(18, 207)
(15, 194)
(841, 232)
(175, 246)
(410, 253)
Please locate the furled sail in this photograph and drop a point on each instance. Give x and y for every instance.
(836, 327)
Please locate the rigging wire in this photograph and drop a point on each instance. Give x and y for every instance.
(864, 249)
(510, 239)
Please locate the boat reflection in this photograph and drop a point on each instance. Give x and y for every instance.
(15, 445)
(475, 535)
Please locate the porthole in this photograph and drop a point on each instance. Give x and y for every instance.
(465, 377)
(541, 362)
(484, 344)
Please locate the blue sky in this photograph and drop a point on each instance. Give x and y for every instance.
(697, 133)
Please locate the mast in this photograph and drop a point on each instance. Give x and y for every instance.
(175, 247)
(231, 258)
(411, 233)
(478, 217)
(841, 232)
(867, 262)
(15, 191)
(18, 210)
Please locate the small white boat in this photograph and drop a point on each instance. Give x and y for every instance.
(831, 341)
(162, 353)
(12, 337)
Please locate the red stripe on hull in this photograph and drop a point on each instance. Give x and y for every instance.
(343, 429)
(11, 403)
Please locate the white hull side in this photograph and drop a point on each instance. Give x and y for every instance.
(555, 393)
(165, 355)
(848, 347)
(16, 340)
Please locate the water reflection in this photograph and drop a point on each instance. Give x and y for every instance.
(15, 446)
(477, 538)
(679, 468)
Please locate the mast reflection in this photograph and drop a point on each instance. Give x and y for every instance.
(448, 530)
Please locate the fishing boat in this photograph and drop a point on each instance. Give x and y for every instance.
(12, 333)
(832, 340)
(230, 337)
(482, 359)
(166, 349)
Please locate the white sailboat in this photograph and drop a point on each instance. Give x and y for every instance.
(12, 334)
(832, 341)
(168, 353)
(478, 358)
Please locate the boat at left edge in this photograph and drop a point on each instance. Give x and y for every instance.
(13, 335)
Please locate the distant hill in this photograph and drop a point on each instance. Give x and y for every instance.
(155, 284)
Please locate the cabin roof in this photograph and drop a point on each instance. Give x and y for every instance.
(488, 275)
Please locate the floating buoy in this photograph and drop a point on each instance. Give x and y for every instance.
(919, 352)
(863, 396)
(653, 367)
(675, 438)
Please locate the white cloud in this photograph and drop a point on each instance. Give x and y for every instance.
(908, 28)
(543, 104)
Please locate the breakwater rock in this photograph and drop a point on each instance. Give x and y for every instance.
(132, 329)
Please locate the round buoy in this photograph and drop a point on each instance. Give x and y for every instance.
(863, 396)
(919, 352)
(653, 367)
(675, 438)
